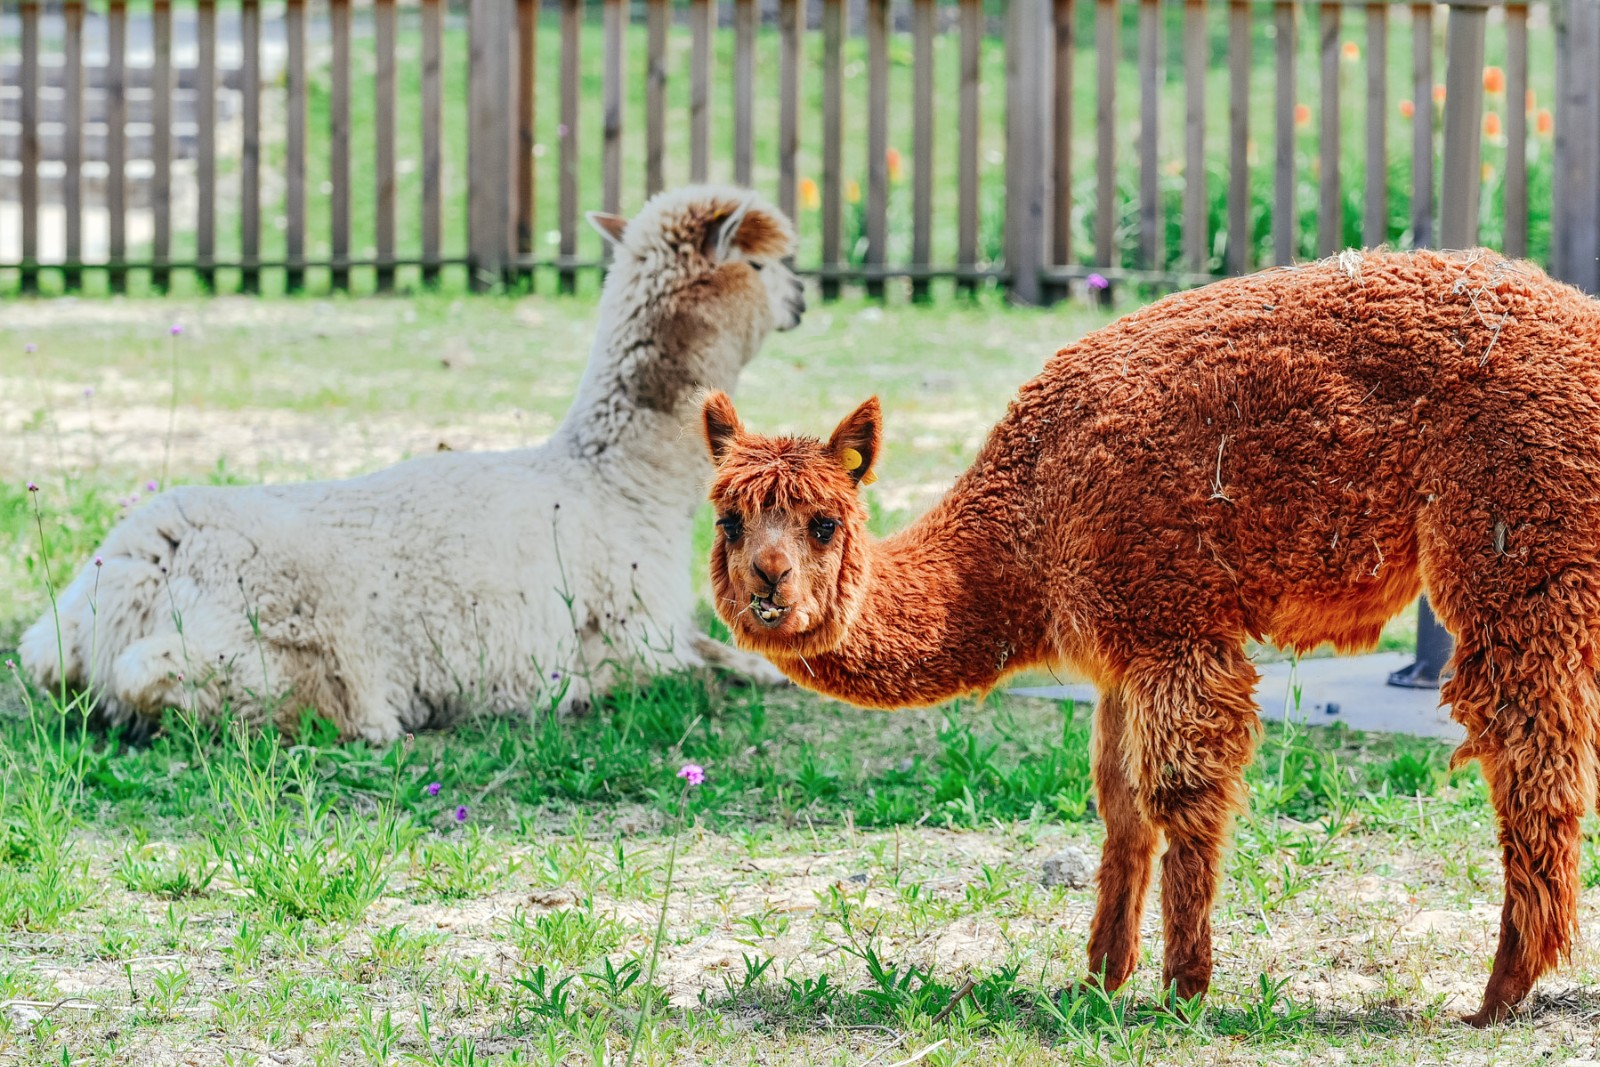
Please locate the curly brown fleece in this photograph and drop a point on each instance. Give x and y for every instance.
(1288, 456)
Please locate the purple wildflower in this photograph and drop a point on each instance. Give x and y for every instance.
(433, 789)
(33, 487)
(555, 676)
(151, 486)
(461, 813)
(1097, 281)
(88, 392)
(177, 329)
(11, 664)
(692, 773)
(99, 561)
(30, 348)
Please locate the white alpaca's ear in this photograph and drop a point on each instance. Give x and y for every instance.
(728, 228)
(721, 425)
(608, 226)
(857, 441)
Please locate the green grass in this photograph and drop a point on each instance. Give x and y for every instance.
(222, 897)
(765, 125)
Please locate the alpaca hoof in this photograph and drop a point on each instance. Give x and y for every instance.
(1487, 1016)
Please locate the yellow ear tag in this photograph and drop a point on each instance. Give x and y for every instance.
(852, 460)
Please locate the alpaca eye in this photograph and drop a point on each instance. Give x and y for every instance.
(823, 529)
(732, 527)
(757, 264)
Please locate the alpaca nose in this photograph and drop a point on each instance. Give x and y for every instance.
(769, 566)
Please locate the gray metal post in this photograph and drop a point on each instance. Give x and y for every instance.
(1458, 228)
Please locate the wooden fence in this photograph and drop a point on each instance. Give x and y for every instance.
(97, 136)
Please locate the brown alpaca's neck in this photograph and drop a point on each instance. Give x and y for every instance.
(949, 611)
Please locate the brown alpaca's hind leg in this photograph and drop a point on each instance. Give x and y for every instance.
(1192, 725)
(1530, 723)
(1126, 860)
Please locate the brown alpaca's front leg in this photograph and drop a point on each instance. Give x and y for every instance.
(1191, 730)
(1125, 862)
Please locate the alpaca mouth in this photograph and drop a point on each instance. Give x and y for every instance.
(767, 611)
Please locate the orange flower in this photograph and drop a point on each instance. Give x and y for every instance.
(1491, 125)
(1407, 109)
(891, 158)
(852, 191)
(1532, 101)
(810, 199)
(1438, 94)
(1351, 51)
(1302, 114)
(1544, 123)
(1494, 80)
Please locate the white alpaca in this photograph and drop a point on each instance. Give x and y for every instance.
(459, 580)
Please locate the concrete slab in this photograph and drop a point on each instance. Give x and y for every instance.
(1348, 689)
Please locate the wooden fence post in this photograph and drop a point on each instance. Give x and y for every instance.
(1463, 126)
(1575, 218)
(1030, 52)
(491, 124)
(72, 146)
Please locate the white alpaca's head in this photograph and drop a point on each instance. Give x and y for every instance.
(697, 282)
(711, 241)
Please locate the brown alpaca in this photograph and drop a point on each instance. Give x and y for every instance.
(1288, 456)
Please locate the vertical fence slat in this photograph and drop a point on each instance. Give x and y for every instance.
(432, 156)
(339, 148)
(30, 145)
(250, 163)
(922, 27)
(1575, 218)
(656, 97)
(1064, 17)
(161, 142)
(1463, 127)
(1283, 217)
(72, 147)
(1330, 213)
(1422, 125)
(116, 140)
(383, 27)
(616, 14)
(789, 28)
(701, 15)
(1515, 206)
(294, 193)
(1149, 143)
(527, 88)
(491, 126)
(967, 208)
(1107, 20)
(744, 67)
(571, 24)
(1238, 136)
(1196, 58)
(205, 237)
(832, 92)
(1375, 228)
(1030, 52)
(877, 138)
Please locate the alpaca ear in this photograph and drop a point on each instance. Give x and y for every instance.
(857, 441)
(722, 231)
(608, 226)
(721, 425)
